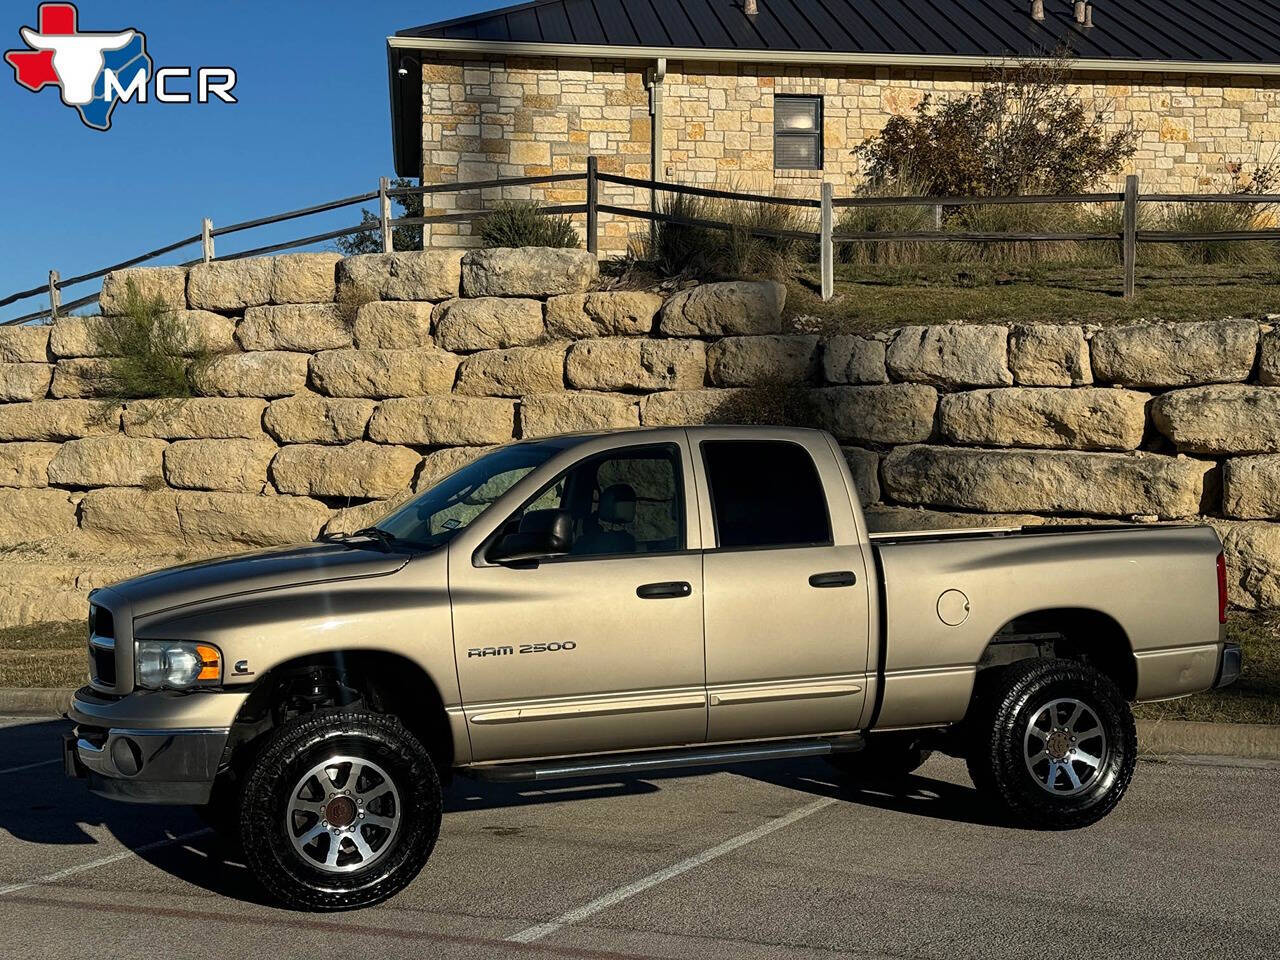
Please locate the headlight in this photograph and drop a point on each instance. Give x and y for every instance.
(176, 665)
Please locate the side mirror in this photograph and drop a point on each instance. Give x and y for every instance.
(541, 534)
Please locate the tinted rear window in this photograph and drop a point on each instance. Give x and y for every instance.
(765, 493)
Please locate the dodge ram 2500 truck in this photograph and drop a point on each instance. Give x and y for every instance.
(617, 603)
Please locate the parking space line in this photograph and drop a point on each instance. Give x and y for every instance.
(541, 930)
(94, 864)
(31, 766)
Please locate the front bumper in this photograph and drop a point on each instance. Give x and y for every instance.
(1229, 665)
(124, 752)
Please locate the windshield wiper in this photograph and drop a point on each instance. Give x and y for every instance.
(383, 538)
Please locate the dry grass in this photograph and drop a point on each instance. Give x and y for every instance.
(44, 655)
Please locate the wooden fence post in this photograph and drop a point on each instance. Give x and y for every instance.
(593, 202)
(826, 247)
(206, 238)
(384, 214)
(55, 295)
(937, 217)
(1130, 233)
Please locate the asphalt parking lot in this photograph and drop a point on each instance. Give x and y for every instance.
(758, 861)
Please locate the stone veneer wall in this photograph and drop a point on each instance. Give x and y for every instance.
(338, 386)
(530, 116)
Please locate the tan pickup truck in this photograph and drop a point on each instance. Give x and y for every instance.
(617, 603)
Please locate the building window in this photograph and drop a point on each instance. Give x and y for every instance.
(797, 133)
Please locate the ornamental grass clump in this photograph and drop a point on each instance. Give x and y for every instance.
(525, 223)
(148, 351)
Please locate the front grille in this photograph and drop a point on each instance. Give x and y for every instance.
(102, 663)
(102, 646)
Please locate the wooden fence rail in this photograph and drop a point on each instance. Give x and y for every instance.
(827, 236)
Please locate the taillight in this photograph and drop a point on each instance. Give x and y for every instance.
(1222, 588)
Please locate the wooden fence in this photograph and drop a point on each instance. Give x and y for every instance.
(826, 237)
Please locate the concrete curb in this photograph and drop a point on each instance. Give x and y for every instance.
(1254, 741)
(34, 701)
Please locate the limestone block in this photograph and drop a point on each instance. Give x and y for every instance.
(488, 323)
(117, 461)
(237, 466)
(24, 381)
(1225, 419)
(512, 373)
(304, 277)
(81, 377)
(311, 418)
(444, 421)
(951, 356)
(1085, 418)
(1176, 354)
(58, 419)
(725, 309)
(359, 469)
(438, 464)
(1250, 487)
(362, 515)
(849, 359)
(302, 327)
(201, 518)
(528, 272)
(25, 344)
(746, 361)
(393, 325)
(230, 285)
(679, 408)
(628, 363)
(1253, 563)
(411, 275)
(264, 373)
(888, 413)
(29, 515)
(865, 467)
(550, 414)
(26, 464)
(168, 285)
(383, 373)
(1268, 365)
(195, 418)
(189, 332)
(618, 313)
(1051, 481)
(1046, 355)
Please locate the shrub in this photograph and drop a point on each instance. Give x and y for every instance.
(1024, 131)
(522, 223)
(148, 351)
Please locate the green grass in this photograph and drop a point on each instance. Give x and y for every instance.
(1255, 697)
(44, 655)
(870, 297)
(53, 655)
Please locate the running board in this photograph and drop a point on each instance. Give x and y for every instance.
(632, 763)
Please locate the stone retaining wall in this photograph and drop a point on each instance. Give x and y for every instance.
(337, 386)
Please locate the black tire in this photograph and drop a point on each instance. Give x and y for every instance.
(295, 877)
(1061, 790)
(886, 757)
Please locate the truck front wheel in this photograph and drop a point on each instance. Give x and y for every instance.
(339, 810)
(1053, 741)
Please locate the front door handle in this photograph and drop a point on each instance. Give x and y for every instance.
(837, 578)
(665, 590)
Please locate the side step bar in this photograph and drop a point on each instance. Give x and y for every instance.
(632, 763)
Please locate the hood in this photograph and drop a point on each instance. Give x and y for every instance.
(255, 572)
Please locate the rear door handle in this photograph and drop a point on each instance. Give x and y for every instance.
(837, 578)
(665, 590)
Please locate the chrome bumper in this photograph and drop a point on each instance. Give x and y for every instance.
(1229, 665)
(143, 764)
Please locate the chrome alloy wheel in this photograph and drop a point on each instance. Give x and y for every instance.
(1065, 747)
(343, 814)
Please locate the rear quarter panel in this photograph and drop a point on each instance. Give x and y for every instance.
(1158, 584)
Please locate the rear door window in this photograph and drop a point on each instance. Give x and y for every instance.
(765, 493)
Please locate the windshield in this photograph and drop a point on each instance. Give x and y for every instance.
(436, 516)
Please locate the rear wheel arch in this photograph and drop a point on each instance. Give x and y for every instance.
(381, 681)
(1067, 633)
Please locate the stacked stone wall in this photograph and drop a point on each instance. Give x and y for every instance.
(339, 387)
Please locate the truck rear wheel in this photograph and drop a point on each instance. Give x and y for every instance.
(339, 810)
(1053, 741)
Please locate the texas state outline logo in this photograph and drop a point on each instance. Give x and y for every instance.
(95, 71)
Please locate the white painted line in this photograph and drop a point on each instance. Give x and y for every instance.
(31, 766)
(630, 890)
(94, 864)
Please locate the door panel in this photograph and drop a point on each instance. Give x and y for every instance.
(628, 672)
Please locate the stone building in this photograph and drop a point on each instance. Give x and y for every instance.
(710, 92)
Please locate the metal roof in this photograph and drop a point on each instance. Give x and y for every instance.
(1242, 32)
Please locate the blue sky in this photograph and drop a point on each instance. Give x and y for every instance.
(312, 124)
